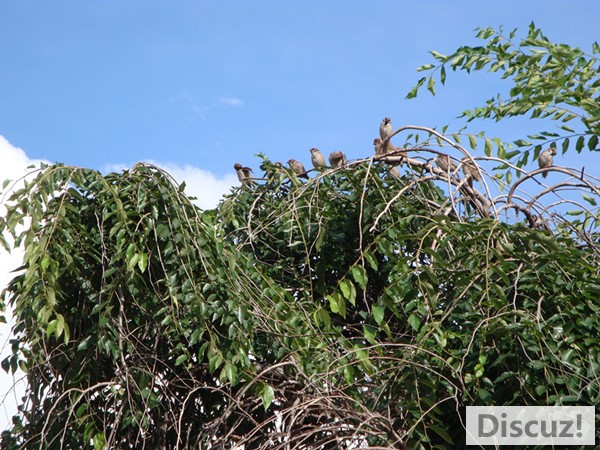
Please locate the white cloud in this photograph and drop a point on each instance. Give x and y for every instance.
(14, 163)
(202, 184)
(231, 101)
(200, 110)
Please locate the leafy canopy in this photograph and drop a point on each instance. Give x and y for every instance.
(355, 309)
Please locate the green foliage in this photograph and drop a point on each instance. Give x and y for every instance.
(126, 300)
(352, 310)
(138, 316)
(549, 81)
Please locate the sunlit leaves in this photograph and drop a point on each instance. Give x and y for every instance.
(413, 92)
(550, 81)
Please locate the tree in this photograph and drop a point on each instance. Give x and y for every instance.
(352, 310)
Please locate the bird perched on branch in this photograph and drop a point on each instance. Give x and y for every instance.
(385, 128)
(298, 168)
(395, 151)
(444, 163)
(397, 155)
(546, 159)
(244, 174)
(317, 158)
(395, 172)
(378, 146)
(470, 170)
(337, 159)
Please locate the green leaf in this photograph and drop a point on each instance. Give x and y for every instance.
(413, 92)
(267, 394)
(60, 326)
(324, 317)
(5, 364)
(472, 142)
(541, 389)
(142, 262)
(51, 296)
(162, 230)
(579, 144)
(590, 200)
(348, 291)
(370, 334)
(99, 441)
(345, 287)
(51, 327)
(214, 361)
(441, 433)
(431, 85)
(522, 143)
(414, 321)
(425, 67)
(488, 148)
(349, 374)
(337, 304)
(378, 314)
(360, 276)
(565, 145)
(439, 56)
(371, 260)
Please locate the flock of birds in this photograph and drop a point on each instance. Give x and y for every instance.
(382, 146)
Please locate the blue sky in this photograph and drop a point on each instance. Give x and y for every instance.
(206, 84)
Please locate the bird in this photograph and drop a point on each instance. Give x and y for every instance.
(391, 148)
(317, 158)
(444, 163)
(394, 172)
(385, 129)
(546, 159)
(378, 145)
(337, 159)
(470, 171)
(298, 168)
(383, 147)
(244, 174)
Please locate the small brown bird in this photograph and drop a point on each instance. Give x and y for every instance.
(298, 168)
(385, 128)
(470, 171)
(378, 146)
(391, 148)
(395, 172)
(244, 173)
(337, 159)
(317, 158)
(444, 163)
(546, 159)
